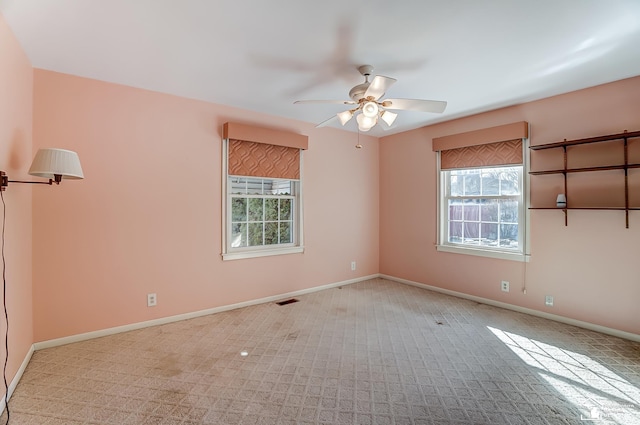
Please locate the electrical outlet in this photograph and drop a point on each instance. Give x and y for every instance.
(152, 300)
(353, 265)
(504, 286)
(548, 300)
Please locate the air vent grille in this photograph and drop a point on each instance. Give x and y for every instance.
(289, 301)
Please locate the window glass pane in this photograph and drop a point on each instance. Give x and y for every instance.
(489, 233)
(510, 181)
(455, 232)
(239, 209)
(255, 209)
(267, 187)
(509, 211)
(455, 209)
(472, 184)
(255, 234)
(471, 209)
(490, 181)
(271, 233)
(285, 209)
(271, 209)
(238, 185)
(471, 232)
(254, 186)
(456, 185)
(285, 232)
(509, 235)
(238, 235)
(281, 187)
(489, 210)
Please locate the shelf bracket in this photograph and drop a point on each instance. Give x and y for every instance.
(626, 180)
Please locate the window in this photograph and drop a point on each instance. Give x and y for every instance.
(262, 212)
(262, 192)
(483, 208)
(482, 192)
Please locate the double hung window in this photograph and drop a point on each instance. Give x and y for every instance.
(262, 192)
(482, 195)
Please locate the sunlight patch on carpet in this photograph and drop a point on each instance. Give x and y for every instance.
(600, 394)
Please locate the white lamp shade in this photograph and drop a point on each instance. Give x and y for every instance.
(365, 123)
(388, 117)
(370, 109)
(345, 116)
(50, 162)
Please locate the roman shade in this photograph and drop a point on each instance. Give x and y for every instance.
(492, 154)
(495, 146)
(261, 152)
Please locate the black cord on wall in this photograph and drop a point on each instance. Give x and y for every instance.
(6, 315)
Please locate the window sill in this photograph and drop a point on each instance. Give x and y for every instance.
(502, 255)
(239, 255)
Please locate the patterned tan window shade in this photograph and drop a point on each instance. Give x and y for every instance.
(263, 152)
(491, 154)
(263, 160)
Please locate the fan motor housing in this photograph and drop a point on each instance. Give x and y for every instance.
(358, 91)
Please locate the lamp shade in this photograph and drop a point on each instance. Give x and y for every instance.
(345, 116)
(388, 117)
(365, 123)
(370, 109)
(51, 162)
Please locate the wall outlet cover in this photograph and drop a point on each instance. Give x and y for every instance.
(504, 285)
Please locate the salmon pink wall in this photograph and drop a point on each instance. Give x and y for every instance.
(16, 79)
(147, 217)
(590, 266)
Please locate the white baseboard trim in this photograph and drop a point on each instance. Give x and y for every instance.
(125, 328)
(554, 317)
(140, 325)
(16, 379)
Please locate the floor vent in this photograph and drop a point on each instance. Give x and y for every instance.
(289, 301)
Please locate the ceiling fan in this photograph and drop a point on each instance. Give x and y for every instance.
(369, 105)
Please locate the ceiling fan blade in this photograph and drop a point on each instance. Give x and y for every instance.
(339, 102)
(436, 106)
(386, 127)
(327, 121)
(379, 86)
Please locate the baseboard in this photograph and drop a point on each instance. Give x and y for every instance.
(119, 329)
(16, 379)
(554, 317)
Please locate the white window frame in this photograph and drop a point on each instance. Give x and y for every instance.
(522, 254)
(232, 253)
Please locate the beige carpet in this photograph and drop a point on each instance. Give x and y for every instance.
(375, 352)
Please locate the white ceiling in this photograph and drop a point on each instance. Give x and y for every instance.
(262, 55)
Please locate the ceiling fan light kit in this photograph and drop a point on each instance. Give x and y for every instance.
(369, 106)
